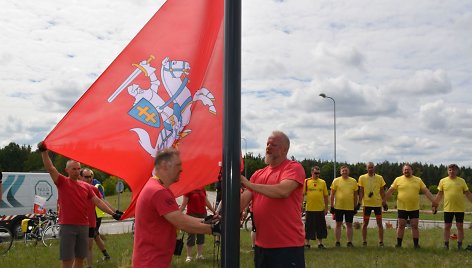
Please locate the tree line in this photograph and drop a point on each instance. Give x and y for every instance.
(429, 173)
(21, 158)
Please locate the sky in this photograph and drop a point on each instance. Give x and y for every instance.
(399, 72)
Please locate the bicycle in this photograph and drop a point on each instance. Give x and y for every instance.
(248, 219)
(6, 240)
(50, 235)
(34, 228)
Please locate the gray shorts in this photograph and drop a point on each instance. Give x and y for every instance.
(200, 237)
(73, 242)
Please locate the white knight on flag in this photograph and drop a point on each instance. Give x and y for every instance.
(150, 108)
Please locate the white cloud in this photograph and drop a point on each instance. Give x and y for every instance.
(424, 82)
(364, 134)
(439, 116)
(398, 70)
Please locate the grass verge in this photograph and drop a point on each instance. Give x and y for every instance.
(431, 253)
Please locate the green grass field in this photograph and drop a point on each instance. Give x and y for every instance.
(430, 255)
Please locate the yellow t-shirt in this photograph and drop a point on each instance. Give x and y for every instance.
(315, 191)
(408, 189)
(344, 196)
(453, 190)
(372, 184)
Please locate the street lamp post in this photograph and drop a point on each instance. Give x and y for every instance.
(334, 109)
(245, 154)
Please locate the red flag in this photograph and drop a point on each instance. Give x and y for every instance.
(163, 90)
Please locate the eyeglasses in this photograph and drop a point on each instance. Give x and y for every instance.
(88, 177)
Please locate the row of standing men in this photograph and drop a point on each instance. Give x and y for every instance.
(276, 192)
(347, 195)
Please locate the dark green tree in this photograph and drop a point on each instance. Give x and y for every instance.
(14, 156)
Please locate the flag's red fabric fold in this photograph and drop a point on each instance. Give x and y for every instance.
(164, 89)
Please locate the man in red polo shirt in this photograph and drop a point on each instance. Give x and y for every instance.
(157, 215)
(276, 192)
(74, 199)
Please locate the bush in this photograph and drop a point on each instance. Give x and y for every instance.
(110, 185)
(433, 189)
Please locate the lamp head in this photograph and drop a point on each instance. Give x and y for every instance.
(323, 95)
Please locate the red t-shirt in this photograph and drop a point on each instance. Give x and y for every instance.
(154, 237)
(196, 202)
(92, 217)
(74, 200)
(278, 220)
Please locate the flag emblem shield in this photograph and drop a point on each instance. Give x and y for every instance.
(146, 113)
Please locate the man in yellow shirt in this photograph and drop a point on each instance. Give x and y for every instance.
(408, 203)
(343, 203)
(371, 192)
(316, 194)
(453, 188)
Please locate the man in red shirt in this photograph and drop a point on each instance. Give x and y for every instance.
(276, 192)
(157, 215)
(86, 175)
(74, 199)
(196, 203)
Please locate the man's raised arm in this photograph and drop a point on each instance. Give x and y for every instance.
(47, 162)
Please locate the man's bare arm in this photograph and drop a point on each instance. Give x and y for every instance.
(51, 169)
(184, 203)
(389, 193)
(246, 197)
(280, 190)
(102, 205)
(187, 223)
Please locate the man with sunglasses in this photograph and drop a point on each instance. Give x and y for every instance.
(86, 175)
(316, 209)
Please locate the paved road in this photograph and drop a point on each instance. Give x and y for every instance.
(114, 227)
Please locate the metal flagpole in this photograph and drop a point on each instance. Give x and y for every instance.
(231, 134)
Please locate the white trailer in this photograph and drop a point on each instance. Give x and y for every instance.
(19, 191)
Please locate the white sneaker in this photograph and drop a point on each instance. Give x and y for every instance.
(200, 257)
(188, 259)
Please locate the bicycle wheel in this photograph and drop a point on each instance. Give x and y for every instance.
(6, 240)
(31, 238)
(247, 226)
(51, 235)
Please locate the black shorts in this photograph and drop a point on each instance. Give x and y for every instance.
(91, 232)
(449, 216)
(315, 225)
(368, 211)
(97, 227)
(403, 214)
(279, 257)
(99, 223)
(347, 215)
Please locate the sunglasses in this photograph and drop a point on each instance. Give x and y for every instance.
(88, 177)
(316, 173)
